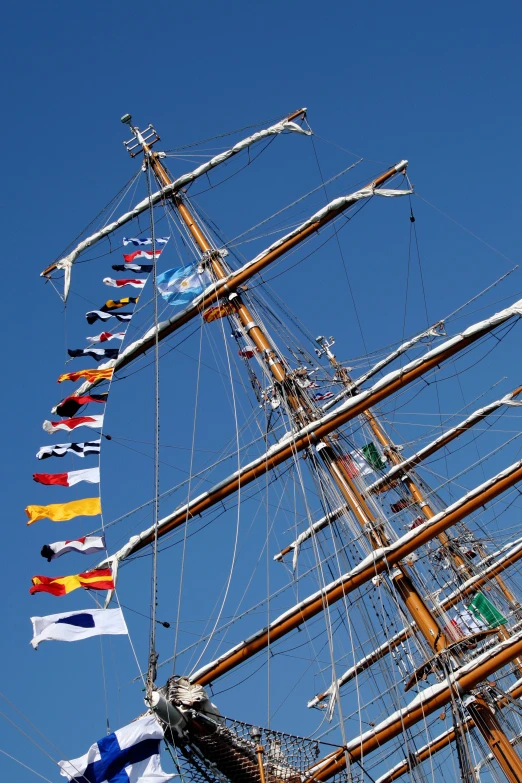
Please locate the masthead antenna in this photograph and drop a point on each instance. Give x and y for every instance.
(140, 142)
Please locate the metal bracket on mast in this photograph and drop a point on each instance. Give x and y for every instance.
(140, 142)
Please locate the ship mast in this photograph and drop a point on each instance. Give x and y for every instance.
(472, 577)
(392, 453)
(302, 413)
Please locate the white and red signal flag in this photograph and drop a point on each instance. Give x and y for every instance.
(95, 422)
(134, 282)
(105, 336)
(91, 475)
(150, 254)
(88, 545)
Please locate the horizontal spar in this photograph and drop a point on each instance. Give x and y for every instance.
(475, 418)
(424, 704)
(497, 563)
(229, 284)
(383, 482)
(439, 743)
(309, 532)
(433, 331)
(174, 187)
(312, 433)
(379, 561)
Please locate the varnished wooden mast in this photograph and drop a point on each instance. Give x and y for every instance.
(404, 585)
(374, 565)
(424, 705)
(439, 743)
(310, 435)
(426, 621)
(414, 603)
(401, 467)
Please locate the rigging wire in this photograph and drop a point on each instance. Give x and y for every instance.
(153, 654)
(26, 766)
(191, 473)
(189, 491)
(341, 254)
(223, 135)
(238, 516)
(467, 230)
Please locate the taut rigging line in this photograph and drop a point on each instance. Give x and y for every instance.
(387, 556)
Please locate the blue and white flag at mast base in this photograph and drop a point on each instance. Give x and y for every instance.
(139, 241)
(180, 286)
(73, 626)
(128, 755)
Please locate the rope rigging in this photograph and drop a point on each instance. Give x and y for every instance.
(279, 403)
(153, 654)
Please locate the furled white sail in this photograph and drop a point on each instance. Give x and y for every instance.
(433, 331)
(476, 416)
(379, 561)
(302, 438)
(240, 276)
(169, 190)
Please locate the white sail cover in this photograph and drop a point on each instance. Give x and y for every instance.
(474, 331)
(477, 415)
(377, 562)
(229, 283)
(68, 260)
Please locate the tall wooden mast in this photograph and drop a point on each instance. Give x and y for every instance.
(480, 710)
(416, 606)
(392, 453)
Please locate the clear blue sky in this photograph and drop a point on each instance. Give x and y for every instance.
(439, 84)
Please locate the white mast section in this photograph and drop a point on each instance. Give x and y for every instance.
(450, 434)
(434, 331)
(229, 284)
(169, 190)
(305, 437)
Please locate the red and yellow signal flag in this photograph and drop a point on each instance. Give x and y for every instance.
(100, 579)
(61, 512)
(89, 375)
(216, 312)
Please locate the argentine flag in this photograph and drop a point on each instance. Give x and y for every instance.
(180, 286)
(128, 755)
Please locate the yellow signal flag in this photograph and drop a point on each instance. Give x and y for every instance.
(115, 304)
(61, 512)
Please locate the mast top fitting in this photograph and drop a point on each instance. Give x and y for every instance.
(139, 140)
(325, 343)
